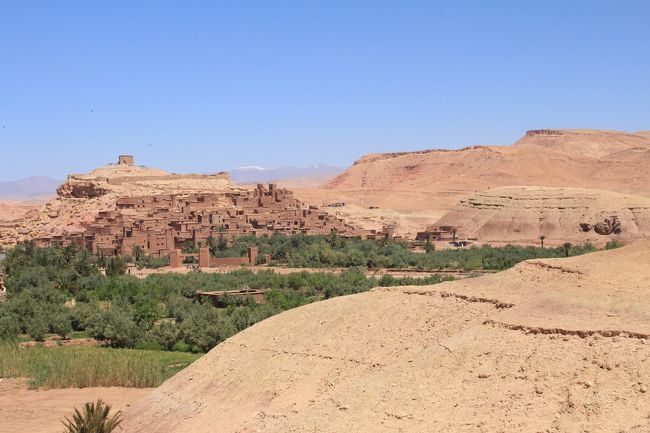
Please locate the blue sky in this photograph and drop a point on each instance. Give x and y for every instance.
(202, 86)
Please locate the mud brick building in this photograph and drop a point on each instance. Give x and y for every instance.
(160, 224)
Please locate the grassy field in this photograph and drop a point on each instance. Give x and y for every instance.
(81, 367)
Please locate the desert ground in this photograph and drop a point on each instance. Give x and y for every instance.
(25, 410)
(410, 190)
(551, 345)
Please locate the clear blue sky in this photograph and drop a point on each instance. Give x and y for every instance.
(209, 85)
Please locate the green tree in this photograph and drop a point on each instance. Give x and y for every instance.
(137, 253)
(9, 326)
(60, 323)
(541, 239)
(37, 326)
(116, 327)
(567, 248)
(167, 334)
(116, 266)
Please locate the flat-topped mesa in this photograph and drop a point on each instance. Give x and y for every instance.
(533, 132)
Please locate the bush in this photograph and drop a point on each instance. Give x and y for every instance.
(613, 244)
(116, 266)
(60, 323)
(117, 328)
(9, 328)
(167, 334)
(37, 327)
(94, 419)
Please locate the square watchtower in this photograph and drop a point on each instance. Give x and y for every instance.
(125, 160)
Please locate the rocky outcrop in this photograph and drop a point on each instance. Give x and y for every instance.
(74, 188)
(523, 214)
(83, 196)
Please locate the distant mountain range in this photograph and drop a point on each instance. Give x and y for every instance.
(259, 174)
(41, 186)
(29, 187)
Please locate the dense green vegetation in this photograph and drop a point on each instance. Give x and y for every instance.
(59, 290)
(80, 367)
(334, 251)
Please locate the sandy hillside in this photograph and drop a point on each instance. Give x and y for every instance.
(609, 160)
(549, 346)
(32, 411)
(11, 210)
(414, 189)
(579, 215)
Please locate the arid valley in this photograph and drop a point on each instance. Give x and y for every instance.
(400, 357)
(324, 217)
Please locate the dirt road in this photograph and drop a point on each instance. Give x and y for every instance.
(30, 411)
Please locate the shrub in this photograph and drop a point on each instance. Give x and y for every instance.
(167, 334)
(9, 328)
(60, 323)
(94, 419)
(117, 328)
(37, 327)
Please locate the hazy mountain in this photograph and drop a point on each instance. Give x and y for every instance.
(260, 174)
(29, 187)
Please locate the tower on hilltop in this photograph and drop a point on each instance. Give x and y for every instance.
(125, 160)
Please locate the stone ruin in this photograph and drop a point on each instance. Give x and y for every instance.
(125, 160)
(534, 132)
(176, 258)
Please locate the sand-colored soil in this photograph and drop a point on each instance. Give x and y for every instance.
(554, 345)
(29, 411)
(432, 182)
(11, 210)
(578, 215)
(607, 160)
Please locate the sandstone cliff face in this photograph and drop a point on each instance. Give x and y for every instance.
(522, 214)
(548, 346)
(608, 160)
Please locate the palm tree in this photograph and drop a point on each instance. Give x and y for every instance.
(454, 231)
(94, 419)
(137, 252)
(541, 239)
(567, 247)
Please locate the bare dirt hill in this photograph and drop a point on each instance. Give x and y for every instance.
(578, 215)
(609, 160)
(549, 346)
(413, 189)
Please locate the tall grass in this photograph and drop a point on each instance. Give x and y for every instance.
(80, 367)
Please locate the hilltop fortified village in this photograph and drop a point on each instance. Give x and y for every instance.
(163, 223)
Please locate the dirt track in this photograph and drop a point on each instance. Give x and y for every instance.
(29, 411)
(557, 345)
